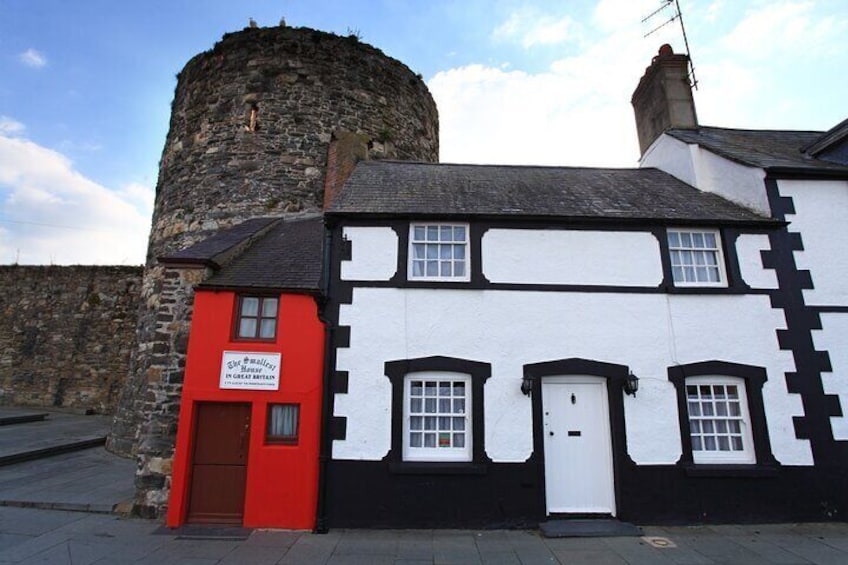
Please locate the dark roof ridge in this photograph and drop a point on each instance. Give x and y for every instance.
(752, 130)
(496, 165)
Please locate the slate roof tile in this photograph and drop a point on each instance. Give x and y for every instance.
(428, 189)
(288, 257)
(768, 149)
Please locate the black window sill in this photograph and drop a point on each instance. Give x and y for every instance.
(436, 468)
(730, 470)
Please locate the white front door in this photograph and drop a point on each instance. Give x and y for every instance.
(578, 450)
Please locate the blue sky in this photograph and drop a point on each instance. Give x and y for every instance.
(86, 86)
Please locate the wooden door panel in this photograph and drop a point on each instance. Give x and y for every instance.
(217, 494)
(219, 463)
(222, 434)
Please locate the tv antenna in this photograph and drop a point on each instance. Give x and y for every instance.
(676, 14)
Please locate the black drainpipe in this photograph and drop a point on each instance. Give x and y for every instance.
(326, 392)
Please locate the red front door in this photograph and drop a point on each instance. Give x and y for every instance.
(219, 463)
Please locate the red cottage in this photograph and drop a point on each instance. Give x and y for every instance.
(250, 418)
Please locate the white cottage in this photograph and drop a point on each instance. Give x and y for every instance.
(513, 343)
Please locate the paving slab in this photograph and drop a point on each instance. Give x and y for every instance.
(59, 432)
(92, 480)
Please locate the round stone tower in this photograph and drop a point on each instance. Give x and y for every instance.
(251, 124)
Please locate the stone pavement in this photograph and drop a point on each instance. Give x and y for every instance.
(35, 527)
(30, 535)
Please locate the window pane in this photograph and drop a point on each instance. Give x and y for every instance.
(416, 423)
(694, 409)
(673, 239)
(709, 443)
(737, 444)
(418, 250)
(429, 440)
(459, 406)
(430, 388)
(446, 269)
(686, 239)
(696, 444)
(697, 240)
(415, 439)
(444, 440)
(446, 233)
(459, 233)
(430, 405)
(459, 424)
(247, 327)
(459, 440)
(249, 306)
(418, 268)
(445, 252)
(444, 389)
(432, 233)
(432, 268)
(417, 388)
(459, 269)
(429, 422)
(710, 240)
(269, 308)
(444, 423)
(432, 252)
(282, 422)
(415, 405)
(268, 329)
(723, 443)
(444, 405)
(418, 233)
(459, 252)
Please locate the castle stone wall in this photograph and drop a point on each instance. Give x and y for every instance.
(66, 335)
(251, 124)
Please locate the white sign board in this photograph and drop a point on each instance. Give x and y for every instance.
(253, 371)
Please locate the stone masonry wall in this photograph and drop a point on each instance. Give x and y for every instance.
(66, 334)
(251, 123)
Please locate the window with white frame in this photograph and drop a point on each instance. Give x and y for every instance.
(696, 258)
(719, 424)
(437, 417)
(438, 252)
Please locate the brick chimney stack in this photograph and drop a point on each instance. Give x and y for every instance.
(663, 98)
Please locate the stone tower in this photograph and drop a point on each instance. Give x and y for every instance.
(251, 124)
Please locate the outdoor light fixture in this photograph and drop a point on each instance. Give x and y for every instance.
(631, 384)
(526, 385)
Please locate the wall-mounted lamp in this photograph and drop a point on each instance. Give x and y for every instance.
(631, 384)
(526, 386)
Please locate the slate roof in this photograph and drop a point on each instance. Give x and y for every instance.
(768, 149)
(206, 252)
(397, 188)
(287, 257)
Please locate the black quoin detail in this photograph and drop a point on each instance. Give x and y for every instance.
(340, 382)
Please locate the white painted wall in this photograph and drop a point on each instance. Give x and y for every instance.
(571, 257)
(748, 248)
(821, 209)
(374, 254)
(647, 332)
(832, 338)
(709, 172)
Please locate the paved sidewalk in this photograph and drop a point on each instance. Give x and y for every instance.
(45, 536)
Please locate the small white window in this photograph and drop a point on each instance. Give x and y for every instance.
(438, 252)
(696, 258)
(719, 425)
(437, 417)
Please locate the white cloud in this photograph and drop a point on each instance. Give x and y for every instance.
(32, 58)
(10, 127)
(786, 28)
(530, 28)
(52, 214)
(576, 113)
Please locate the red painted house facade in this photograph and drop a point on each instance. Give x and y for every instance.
(250, 416)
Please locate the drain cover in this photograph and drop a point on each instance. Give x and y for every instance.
(658, 542)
